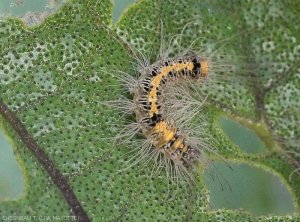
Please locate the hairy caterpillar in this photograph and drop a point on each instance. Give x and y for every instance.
(150, 104)
(165, 99)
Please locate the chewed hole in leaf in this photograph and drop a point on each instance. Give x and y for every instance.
(244, 138)
(253, 189)
(12, 182)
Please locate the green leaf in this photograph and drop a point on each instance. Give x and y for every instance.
(52, 77)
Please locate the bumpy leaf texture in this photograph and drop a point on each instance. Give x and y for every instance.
(55, 76)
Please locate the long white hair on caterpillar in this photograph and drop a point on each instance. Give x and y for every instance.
(165, 107)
